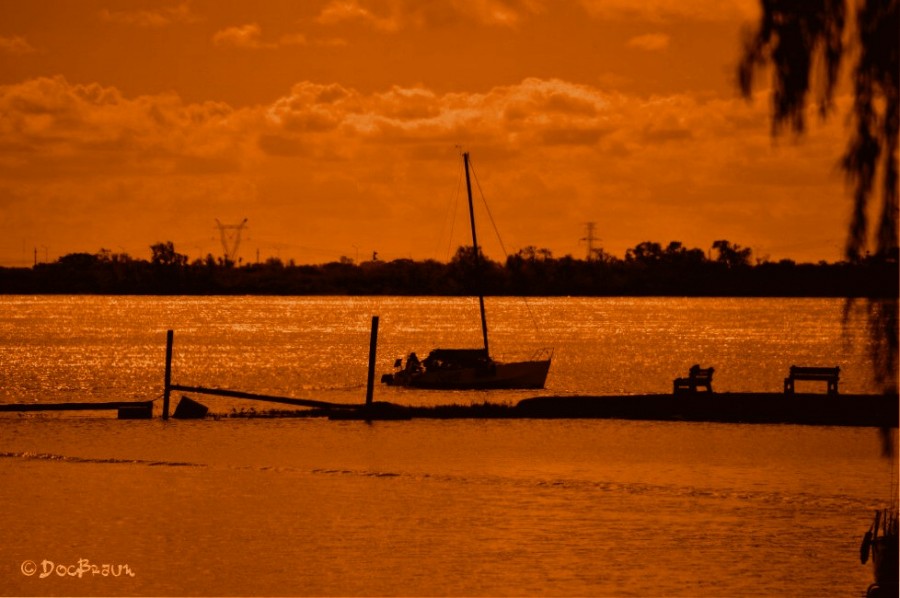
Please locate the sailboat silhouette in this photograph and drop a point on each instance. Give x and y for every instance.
(470, 369)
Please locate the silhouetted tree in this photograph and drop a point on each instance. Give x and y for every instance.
(465, 256)
(81, 261)
(650, 270)
(598, 254)
(732, 255)
(470, 270)
(532, 253)
(796, 35)
(164, 254)
(647, 252)
(677, 253)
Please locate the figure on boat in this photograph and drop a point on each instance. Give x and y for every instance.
(469, 369)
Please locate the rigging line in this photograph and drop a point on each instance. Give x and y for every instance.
(531, 315)
(454, 209)
(488, 209)
(450, 218)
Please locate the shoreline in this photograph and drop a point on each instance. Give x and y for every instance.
(854, 410)
(847, 410)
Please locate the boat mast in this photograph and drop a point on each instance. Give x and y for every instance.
(484, 331)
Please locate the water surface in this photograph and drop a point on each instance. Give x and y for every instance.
(464, 507)
(113, 348)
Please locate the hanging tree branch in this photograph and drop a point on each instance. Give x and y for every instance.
(803, 41)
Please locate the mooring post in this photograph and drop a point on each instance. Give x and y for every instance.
(168, 383)
(373, 344)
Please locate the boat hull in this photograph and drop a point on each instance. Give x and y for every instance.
(884, 562)
(499, 376)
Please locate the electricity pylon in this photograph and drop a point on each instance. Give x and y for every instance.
(590, 238)
(231, 238)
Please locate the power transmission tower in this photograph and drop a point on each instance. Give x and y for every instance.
(590, 238)
(231, 238)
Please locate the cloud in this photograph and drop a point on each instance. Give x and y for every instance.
(339, 11)
(499, 13)
(695, 165)
(249, 36)
(669, 10)
(587, 136)
(244, 36)
(52, 128)
(394, 15)
(15, 44)
(159, 17)
(50, 120)
(650, 42)
(543, 112)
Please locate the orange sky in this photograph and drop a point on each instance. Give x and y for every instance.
(333, 126)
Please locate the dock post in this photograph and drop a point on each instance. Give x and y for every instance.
(168, 383)
(373, 344)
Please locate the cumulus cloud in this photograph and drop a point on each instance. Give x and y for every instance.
(650, 42)
(339, 11)
(53, 118)
(667, 10)
(394, 15)
(15, 44)
(51, 128)
(500, 13)
(243, 36)
(157, 17)
(322, 151)
(534, 111)
(250, 36)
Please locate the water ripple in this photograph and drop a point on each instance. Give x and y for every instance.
(69, 459)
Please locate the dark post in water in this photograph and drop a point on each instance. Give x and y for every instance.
(168, 383)
(373, 344)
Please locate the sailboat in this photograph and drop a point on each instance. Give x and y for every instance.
(470, 369)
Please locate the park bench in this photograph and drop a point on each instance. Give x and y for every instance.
(697, 377)
(817, 374)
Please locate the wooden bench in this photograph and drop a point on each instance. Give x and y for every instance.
(829, 375)
(697, 377)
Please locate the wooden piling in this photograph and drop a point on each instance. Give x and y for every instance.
(373, 345)
(167, 388)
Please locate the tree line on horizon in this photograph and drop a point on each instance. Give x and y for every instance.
(647, 269)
